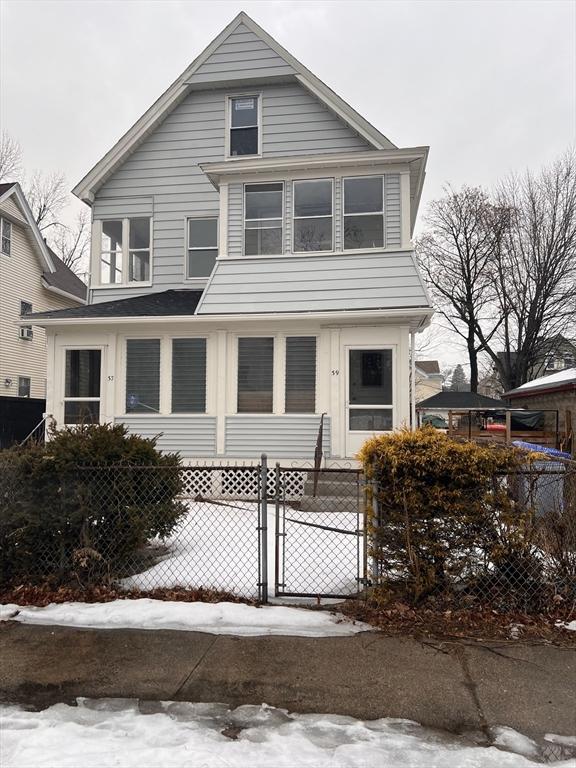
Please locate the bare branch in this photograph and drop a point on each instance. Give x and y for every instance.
(71, 244)
(10, 158)
(46, 195)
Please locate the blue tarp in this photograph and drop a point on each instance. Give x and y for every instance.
(552, 452)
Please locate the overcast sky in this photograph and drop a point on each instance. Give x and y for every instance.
(490, 86)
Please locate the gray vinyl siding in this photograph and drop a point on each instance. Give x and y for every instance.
(235, 220)
(294, 283)
(162, 177)
(392, 210)
(277, 436)
(189, 435)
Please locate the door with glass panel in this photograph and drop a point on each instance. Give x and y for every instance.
(82, 402)
(369, 394)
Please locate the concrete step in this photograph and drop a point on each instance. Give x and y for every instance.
(328, 488)
(328, 504)
(339, 476)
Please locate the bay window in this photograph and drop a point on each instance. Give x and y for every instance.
(263, 205)
(313, 210)
(244, 126)
(125, 242)
(364, 212)
(202, 246)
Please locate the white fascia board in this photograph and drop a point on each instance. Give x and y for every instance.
(87, 187)
(41, 247)
(65, 294)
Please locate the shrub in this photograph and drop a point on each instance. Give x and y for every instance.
(447, 515)
(84, 503)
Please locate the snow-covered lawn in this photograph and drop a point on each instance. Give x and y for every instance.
(215, 618)
(122, 734)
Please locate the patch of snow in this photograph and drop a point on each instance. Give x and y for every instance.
(8, 611)
(124, 734)
(568, 374)
(566, 741)
(514, 741)
(214, 618)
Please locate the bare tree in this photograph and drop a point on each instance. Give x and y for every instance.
(71, 244)
(46, 194)
(456, 255)
(10, 158)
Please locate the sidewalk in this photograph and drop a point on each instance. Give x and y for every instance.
(454, 686)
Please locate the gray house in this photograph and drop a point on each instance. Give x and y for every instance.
(251, 268)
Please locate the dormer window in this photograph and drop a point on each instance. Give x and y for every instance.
(244, 139)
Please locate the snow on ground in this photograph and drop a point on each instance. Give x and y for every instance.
(215, 618)
(121, 733)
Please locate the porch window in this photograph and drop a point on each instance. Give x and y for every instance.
(202, 246)
(125, 241)
(370, 390)
(263, 205)
(244, 126)
(6, 235)
(143, 376)
(82, 386)
(188, 375)
(23, 386)
(300, 374)
(139, 236)
(255, 374)
(313, 215)
(364, 212)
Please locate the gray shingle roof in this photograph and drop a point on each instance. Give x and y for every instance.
(64, 279)
(460, 400)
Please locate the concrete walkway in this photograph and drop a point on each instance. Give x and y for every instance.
(459, 687)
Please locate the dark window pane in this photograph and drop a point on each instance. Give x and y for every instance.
(23, 386)
(255, 375)
(370, 419)
(111, 236)
(143, 376)
(300, 374)
(25, 307)
(370, 376)
(313, 234)
(363, 195)
(82, 373)
(82, 412)
(313, 198)
(364, 231)
(139, 266)
(201, 262)
(202, 233)
(263, 201)
(243, 141)
(188, 375)
(264, 241)
(139, 233)
(244, 111)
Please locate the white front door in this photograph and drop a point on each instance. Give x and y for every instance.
(369, 394)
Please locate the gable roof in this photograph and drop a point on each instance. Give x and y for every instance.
(466, 401)
(196, 76)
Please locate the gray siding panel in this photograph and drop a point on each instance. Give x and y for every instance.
(162, 176)
(392, 210)
(279, 437)
(314, 283)
(235, 219)
(189, 435)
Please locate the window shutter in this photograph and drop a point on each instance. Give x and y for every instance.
(255, 375)
(300, 374)
(143, 376)
(188, 375)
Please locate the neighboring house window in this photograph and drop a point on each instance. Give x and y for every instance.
(313, 215)
(244, 126)
(6, 230)
(255, 374)
(300, 374)
(143, 376)
(202, 246)
(364, 212)
(370, 389)
(188, 375)
(125, 241)
(82, 386)
(26, 330)
(23, 386)
(263, 205)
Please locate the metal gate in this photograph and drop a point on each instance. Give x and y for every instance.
(320, 532)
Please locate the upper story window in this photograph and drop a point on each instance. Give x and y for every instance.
(202, 246)
(125, 251)
(313, 215)
(263, 204)
(6, 236)
(244, 126)
(364, 212)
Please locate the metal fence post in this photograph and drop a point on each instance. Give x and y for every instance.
(263, 532)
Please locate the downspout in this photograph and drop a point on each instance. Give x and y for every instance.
(412, 380)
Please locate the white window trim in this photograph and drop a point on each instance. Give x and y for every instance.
(282, 218)
(294, 217)
(393, 406)
(3, 221)
(196, 280)
(97, 253)
(228, 123)
(371, 213)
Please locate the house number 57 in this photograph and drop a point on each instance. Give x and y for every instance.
(336, 372)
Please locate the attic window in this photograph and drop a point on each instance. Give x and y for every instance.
(244, 126)
(6, 232)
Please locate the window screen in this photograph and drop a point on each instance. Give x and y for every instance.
(188, 375)
(300, 374)
(143, 376)
(255, 375)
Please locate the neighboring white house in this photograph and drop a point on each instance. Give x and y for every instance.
(429, 379)
(252, 267)
(32, 279)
